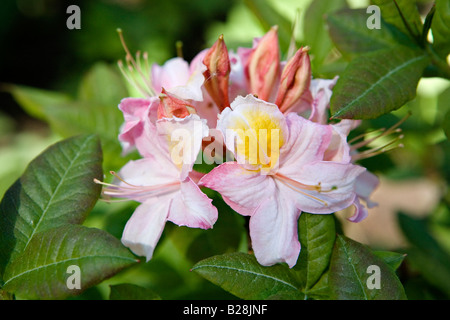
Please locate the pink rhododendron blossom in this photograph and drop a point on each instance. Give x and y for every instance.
(283, 181)
(163, 186)
(270, 116)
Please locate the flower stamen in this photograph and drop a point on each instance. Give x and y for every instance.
(383, 132)
(130, 191)
(298, 187)
(143, 81)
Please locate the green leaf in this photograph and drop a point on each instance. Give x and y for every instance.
(94, 111)
(426, 254)
(241, 275)
(378, 82)
(317, 235)
(36, 101)
(129, 291)
(349, 276)
(41, 271)
(392, 259)
(268, 17)
(314, 24)
(403, 14)
(102, 85)
(351, 36)
(446, 124)
(57, 188)
(321, 290)
(440, 27)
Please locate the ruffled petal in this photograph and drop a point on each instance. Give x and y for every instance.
(323, 186)
(273, 231)
(360, 212)
(144, 228)
(181, 139)
(139, 176)
(175, 72)
(241, 189)
(140, 116)
(192, 208)
(307, 143)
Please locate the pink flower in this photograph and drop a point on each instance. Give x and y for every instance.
(288, 176)
(162, 183)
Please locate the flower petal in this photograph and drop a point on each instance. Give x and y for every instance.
(181, 138)
(148, 172)
(321, 90)
(192, 208)
(365, 184)
(241, 189)
(331, 186)
(307, 143)
(254, 131)
(175, 72)
(360, 212)
(273, 231)
(139, 115)
(144, 228)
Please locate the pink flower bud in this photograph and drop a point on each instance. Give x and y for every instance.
(263, 65)
(217, 73)
(171, 106)
(295, 82)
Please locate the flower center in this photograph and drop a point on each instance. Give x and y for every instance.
(258, 139)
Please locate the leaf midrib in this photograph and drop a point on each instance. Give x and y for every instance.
(247, 271)
(387, 75)
(44, 212)
(64, 261)
(353, 267)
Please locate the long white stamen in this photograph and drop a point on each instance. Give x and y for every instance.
(136, 65)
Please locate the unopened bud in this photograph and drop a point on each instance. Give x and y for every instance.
(171, 106)
(295, 82)
(217, 73)
(263, 65)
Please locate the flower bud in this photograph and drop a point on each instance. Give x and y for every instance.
(217, 73)
(171, 106)
(295, 81)
(263, 65)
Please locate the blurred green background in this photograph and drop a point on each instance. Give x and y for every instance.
(55, 82)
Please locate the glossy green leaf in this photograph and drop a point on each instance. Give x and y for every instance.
(403, 14)
(94, 111)
(446, 124)
(37, 102)
(128, 291)
(378, 82)
(317, 235)
(268, 17)
(57, 188)
(350, 274)
(426, 254)
(241, 275)
(42, 270)
(314, 26)
(349, 32)
(440, 27)
(392, 259)
(321, 289)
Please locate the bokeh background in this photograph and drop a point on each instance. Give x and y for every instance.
(74, 67)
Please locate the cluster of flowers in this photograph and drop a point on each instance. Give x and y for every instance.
(269, 114)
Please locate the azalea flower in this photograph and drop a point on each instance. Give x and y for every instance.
(163, 180)
(286, 178)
